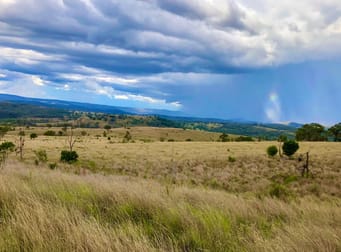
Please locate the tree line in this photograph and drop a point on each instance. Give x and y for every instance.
(317, 132)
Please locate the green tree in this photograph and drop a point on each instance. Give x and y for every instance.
(224, 137)
(272, 150)
(107, 127)
(68, 156)
(335, 131)
(33, 135)
(3, 131)
(5, 149)
(290, 147)
(311, 132)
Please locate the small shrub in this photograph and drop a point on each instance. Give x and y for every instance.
(231, 159)
(41, 156)
(289, 179)
(290, 147)
(189, 140)
(68, 156)
(7, 146)
(272, 150)
(33, 135)
(52, 166)
(50, 133)
(278, 191)
(83, 133)
(171, 140)
(224, 138)
(107, 127)
(127, 137)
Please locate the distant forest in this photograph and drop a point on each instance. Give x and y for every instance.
(27, 114)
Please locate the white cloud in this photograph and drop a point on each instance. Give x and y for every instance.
(23, 85)
(24, 56)
(110, 92)
(37, 81)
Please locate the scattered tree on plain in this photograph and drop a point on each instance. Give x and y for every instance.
(21, 144)
(335, 132)
(290, 147)
(272, 150)
(5, 149)
(33, 135)
(3, 131)
(68, 156)
(311, 132)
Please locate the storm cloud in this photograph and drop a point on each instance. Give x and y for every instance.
(136, 50)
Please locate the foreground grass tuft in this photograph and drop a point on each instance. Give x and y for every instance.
(61, 212)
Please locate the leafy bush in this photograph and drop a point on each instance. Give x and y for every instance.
(232, 159)
(68, 156)
(41, 156)
(50, 133)
(279, 191)
(290, 147)
(7, 146)
(272, 150)
(33, 135)
(52, 166)
(107, 127)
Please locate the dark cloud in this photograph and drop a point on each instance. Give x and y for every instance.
(160, 50)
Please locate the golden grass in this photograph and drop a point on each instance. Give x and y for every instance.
(199, 163)
(55, 211)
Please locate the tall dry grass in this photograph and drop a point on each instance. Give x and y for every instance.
(42, 210)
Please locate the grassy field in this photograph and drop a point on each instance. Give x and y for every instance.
(169, 196)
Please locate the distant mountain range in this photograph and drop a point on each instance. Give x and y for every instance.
(86, 107)
(17, 107)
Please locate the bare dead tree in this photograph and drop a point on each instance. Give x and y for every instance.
(71, 139)
(21, 144)
(305, 169)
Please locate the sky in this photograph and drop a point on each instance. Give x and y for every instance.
(260, 60)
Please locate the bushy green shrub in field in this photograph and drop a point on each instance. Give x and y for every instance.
(290, 147)
(68, 156)
(7, 146)
(272, 150)
(33, 135)
(41, 156)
